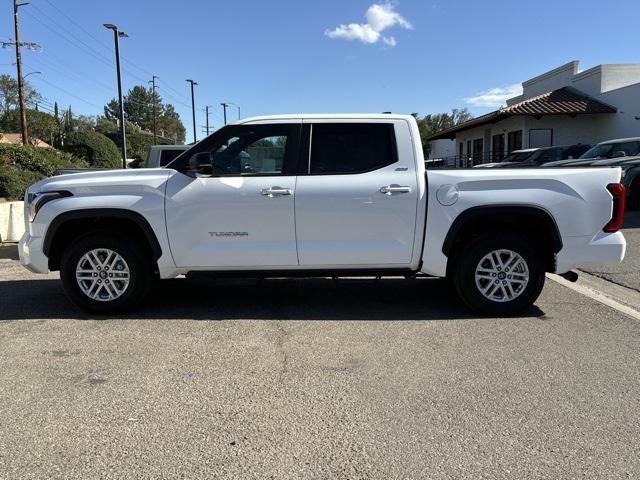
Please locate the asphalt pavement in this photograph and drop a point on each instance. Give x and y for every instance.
(314, 379)
(628, 273)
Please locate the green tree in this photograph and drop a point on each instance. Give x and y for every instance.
(111, 110)
(9, 93)
(83, 122)
(138, 110)
(41, 124)
(93, 147)
(170, 126)
(433, 123)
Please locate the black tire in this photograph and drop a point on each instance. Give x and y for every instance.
(468, 259)
(140, 271)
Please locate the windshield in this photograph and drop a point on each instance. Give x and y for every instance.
(518, 156)
(547, 155)
(606, 150)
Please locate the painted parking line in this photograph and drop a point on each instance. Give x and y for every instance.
(622, 299)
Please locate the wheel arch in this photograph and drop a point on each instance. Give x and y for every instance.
(68, 224)
(530, 219)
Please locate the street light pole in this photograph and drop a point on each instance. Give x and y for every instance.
(193, 108)
(238, 111)
(116, 36)
(224, 109)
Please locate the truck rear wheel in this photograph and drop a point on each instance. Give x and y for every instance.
(105, 272)
(499, 273)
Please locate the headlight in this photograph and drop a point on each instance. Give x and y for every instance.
(36, 200)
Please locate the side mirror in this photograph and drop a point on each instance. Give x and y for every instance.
(200, 165)
(619, 154)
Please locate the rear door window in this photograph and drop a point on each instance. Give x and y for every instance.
(351, 148)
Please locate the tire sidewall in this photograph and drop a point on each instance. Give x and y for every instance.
(124, 246)
(471, 255)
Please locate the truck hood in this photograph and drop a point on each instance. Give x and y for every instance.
(105, 181)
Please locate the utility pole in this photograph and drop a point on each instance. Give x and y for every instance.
(224, 109)
(238, 111)
(23, 110)
(116, 36)
(193, 108)
(206, 110)
(153, 99)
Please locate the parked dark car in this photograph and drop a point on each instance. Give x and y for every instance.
(631, 180)
(539, 156)
(609, 152)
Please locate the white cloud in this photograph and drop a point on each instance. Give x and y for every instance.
(391, 41)
(380, 17)
(495, 97)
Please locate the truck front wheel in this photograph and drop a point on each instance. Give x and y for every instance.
(105, 272)
(499, 273)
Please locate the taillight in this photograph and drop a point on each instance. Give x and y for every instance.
(618, 192)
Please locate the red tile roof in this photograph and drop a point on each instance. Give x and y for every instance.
(564, 101)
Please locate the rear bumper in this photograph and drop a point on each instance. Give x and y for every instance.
(581, 252)
(31, 254)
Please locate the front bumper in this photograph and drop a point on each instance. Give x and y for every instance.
(31, 254)
(582, 252)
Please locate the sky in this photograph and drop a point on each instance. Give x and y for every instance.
(291, 56)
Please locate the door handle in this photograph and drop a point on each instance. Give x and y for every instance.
(276, 192)
(394, 188)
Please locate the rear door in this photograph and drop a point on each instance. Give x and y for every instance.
(357, 195)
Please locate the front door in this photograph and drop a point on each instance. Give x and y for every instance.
(357, 196)
(238, 211)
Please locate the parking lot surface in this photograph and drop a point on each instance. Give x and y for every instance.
(627, 274)
(314, 379)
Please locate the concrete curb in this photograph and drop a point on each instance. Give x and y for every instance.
(8, 222)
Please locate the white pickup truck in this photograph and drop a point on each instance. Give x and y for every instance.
(321, 195)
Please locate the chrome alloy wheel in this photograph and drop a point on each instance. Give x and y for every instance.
(102, 275)
(502, 275)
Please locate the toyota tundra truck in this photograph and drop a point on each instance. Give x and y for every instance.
(321, 196)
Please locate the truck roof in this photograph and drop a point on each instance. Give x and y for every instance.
(323, 116)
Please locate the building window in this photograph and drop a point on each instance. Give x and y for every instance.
(497, 148)
(514, 141)
(540, 137)
(477, 151)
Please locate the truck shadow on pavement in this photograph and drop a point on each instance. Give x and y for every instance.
(290, 299)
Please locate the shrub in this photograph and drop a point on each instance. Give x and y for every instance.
(21, 166)
(93, 147)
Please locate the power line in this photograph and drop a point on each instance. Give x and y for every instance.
(100, 42)
(101, 57)
(69, 93)
(69, 72)
(69, 37)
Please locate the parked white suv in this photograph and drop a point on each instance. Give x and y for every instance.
(321, 195)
